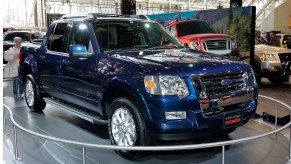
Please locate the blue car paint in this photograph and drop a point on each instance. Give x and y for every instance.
(127, 72)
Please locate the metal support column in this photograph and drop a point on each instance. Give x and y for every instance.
(15, 145)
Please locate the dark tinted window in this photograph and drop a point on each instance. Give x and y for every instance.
(23, 35)
(56, 38)
(79, 35)
(193, 27)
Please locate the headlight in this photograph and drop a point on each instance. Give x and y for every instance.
(253, 77)
(269, 57)
(166, 85)
(233, 44)
(195, 45)
(249, 80)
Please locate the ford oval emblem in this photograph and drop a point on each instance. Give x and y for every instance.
(216, 44)
(226, 82)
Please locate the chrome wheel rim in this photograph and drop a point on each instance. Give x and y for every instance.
(29, 93)
(123, 128)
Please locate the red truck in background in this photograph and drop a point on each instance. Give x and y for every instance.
(197, 34)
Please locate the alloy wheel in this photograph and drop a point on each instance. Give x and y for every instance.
(29, 93)
(123, 127)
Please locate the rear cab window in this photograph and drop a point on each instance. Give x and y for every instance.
(56, 39)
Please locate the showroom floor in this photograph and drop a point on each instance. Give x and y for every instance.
(60, 124)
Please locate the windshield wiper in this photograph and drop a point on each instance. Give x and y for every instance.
(161, 47)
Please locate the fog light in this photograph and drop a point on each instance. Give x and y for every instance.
(175, 115)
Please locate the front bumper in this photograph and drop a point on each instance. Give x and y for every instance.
(196, 124)
(271, 68)
(204, 114)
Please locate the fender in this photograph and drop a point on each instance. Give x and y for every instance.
(130, 85)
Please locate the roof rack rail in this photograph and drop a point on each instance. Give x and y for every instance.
(96, 15)
(121, 16)
(76, 16)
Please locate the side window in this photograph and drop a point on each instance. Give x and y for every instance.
(56, 38)
(50, 37)
(172, 30)
(33, 36)
(79, 36)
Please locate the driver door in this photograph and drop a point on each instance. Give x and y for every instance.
(79, 73)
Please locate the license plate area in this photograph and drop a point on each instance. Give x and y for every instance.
(232, 119)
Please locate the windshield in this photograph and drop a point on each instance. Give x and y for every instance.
(23, 35)
(193, 27)
(133, 35)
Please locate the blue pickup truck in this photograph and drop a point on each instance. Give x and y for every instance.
(132, 75)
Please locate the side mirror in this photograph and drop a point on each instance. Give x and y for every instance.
(79, 51)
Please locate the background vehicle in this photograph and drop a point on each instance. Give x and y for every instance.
(132, 75)
(285, 40)
(26, 36)
(273, 63)
(197, 34)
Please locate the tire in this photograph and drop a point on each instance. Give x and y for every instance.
(278, 79)
(126, 126)
(33, 96)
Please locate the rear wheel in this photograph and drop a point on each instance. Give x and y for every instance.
(278, 79)
(126, 126)
(33, 96)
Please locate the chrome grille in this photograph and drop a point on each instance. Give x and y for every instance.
(214, 88)
(217, 44)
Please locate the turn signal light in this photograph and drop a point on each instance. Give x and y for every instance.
(263, 57)
(150, 84)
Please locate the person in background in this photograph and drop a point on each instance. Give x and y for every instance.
(274, 41)
(267, 38)
(11, 68)
(259, 39)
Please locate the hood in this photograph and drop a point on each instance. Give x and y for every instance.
(207, 36)
(182, 62)
(261, 48)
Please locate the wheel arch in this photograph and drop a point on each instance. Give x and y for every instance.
(114, 91)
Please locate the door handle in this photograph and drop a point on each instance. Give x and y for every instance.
(65, 62)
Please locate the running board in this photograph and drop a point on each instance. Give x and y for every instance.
(76, 111)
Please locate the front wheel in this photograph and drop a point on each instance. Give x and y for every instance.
(33, 96)
(126, 126)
